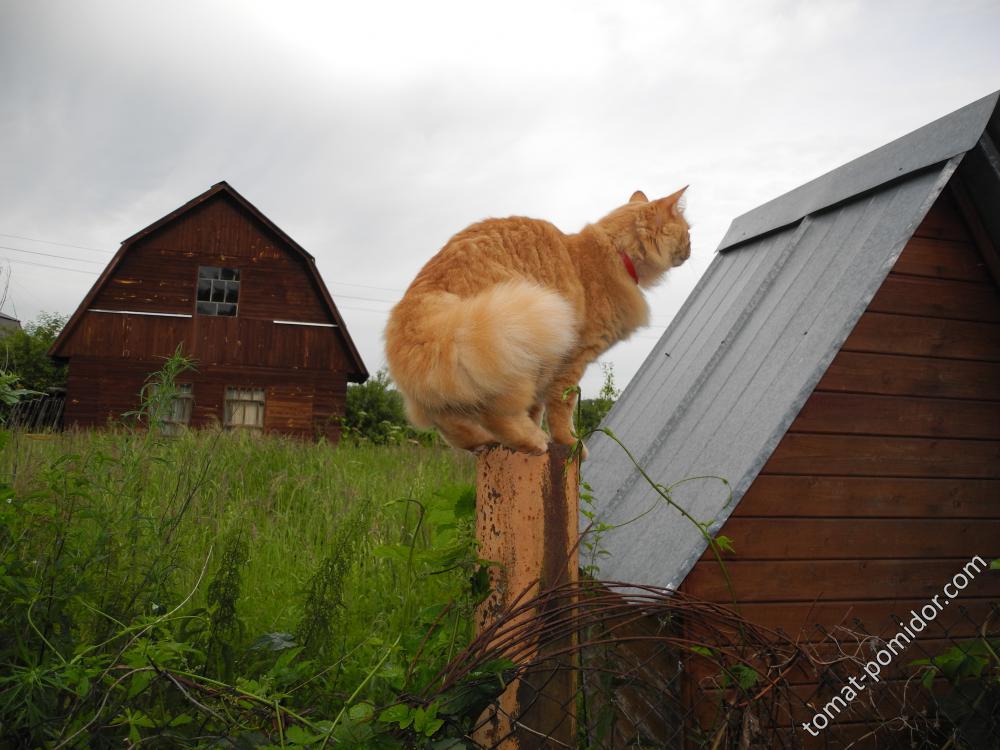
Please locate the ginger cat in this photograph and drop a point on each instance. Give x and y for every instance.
(510, 312)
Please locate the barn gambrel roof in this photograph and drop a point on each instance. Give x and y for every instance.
(359, 373)
(788, 284)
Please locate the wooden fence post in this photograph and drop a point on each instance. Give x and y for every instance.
(527, 520)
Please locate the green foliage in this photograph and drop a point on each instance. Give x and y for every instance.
(27, 353)
(375, 414)
(11, 393)
(156, 399)
(325, 590)
(591, 411)
(970, 706)
(177, 591)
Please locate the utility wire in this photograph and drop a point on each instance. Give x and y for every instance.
(56, 268)
(367, 286)
(60, 244)
(50, 255)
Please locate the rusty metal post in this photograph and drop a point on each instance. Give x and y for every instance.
(527, 520)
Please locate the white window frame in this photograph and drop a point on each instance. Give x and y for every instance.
(243, 408)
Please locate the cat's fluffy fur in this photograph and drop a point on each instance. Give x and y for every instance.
(509, 313)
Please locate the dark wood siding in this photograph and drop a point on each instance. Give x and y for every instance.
(894, 460)
(301, 403)
(159, 272)
(888, 481)
(210, 340)
(150, 299)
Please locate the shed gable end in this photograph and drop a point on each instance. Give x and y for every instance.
(894, 459)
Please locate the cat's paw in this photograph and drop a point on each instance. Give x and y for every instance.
(537, 448)
(478, 450)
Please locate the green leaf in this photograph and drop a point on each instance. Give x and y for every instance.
(83, 686)
(299, 736)
(431, 727)
(746, 677)
(995, 564)
(395, 552)
(139, 682)
(273, 642)
(725, 543)
(928, 679)
(361, 712)
(395, 714)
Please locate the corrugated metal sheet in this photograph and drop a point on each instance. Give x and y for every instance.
(750, 343)
(925, 147)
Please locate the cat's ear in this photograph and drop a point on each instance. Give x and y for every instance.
(674, 202)
(638, 197)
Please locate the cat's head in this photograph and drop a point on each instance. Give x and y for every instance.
(654, 234)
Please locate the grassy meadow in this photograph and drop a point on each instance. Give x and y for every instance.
(172, 591)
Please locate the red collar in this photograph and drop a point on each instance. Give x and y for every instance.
(629, 266)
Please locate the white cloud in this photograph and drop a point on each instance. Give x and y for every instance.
(372, 131)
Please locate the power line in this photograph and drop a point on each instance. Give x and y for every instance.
(362, 309)
(50, 255)
(368, 286)
(366, 299)
(60, 244)
(56, 268)
(97, 273)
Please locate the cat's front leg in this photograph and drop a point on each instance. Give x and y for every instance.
(560, 402)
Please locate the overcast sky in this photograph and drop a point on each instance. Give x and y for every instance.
(370, 132)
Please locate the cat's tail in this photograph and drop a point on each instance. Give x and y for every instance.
(450, 352)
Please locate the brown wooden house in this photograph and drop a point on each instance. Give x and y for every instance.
(839, 365)
(242, 298)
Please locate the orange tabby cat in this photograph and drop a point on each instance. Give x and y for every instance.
(510, 312)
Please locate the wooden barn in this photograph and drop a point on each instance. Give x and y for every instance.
(839, 365)
(241, 297)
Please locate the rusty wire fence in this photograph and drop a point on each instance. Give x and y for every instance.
(608, 665)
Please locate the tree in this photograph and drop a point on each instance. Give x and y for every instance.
(375, 413)
(591, 411)
(26, 353)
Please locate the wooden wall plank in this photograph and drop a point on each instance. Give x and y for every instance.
(867, 539)
(962, 619)
(922, 336)
(857, 455)
(828, 580)
(942, 259)
(858, 497)
(862, 414)
(916, 376)
(944, 222)
(937, 298)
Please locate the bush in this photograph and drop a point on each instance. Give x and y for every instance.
(213, 590)
(375, 414)
(591, 411)
(27, 353)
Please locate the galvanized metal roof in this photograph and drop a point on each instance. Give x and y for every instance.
(740, 358)
(925, 147)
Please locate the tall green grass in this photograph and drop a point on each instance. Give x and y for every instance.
(319, 578)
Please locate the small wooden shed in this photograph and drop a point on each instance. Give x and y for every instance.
(839, 365)
(241, 297)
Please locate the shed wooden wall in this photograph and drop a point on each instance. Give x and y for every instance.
(888, 481)
(303, 369)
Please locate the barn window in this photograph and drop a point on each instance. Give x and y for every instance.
(178, 414)
(245, 408)
(218, 290)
